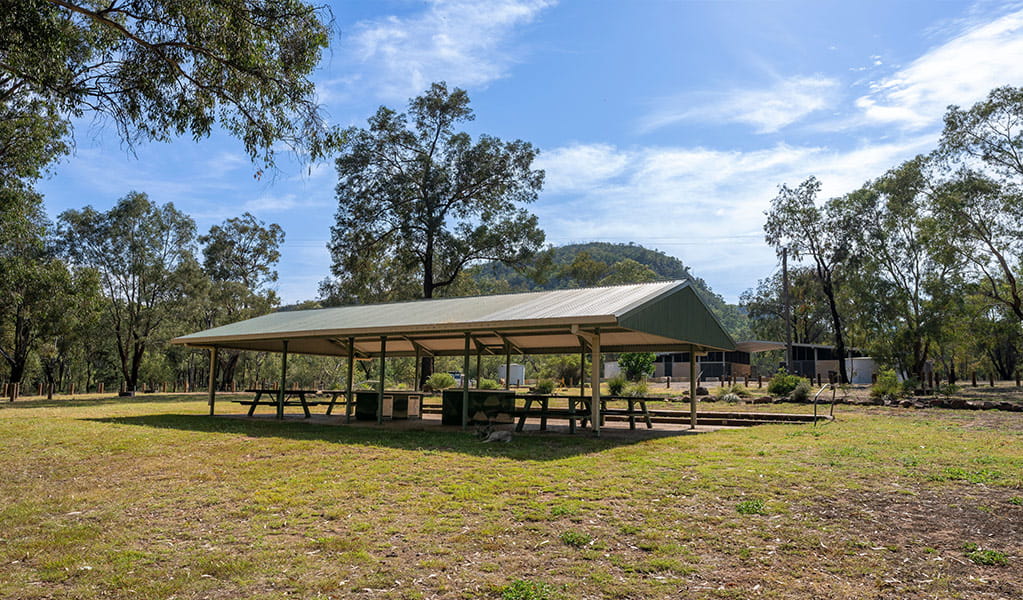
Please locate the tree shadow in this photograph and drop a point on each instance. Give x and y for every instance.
(529, 445)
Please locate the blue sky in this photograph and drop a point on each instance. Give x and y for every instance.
(668, 124)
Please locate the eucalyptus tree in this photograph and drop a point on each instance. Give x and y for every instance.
(820, 234)
(143, 253)
(419, 201)
(980, 200)
(162, 68)
(765, 308)
(905, 286)
(239, 262)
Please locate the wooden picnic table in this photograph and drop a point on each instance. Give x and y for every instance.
(289, 399)
(583, 415)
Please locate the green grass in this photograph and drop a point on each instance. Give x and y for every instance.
(151, 498)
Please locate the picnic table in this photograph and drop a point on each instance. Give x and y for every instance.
(572, 414)
(291, 398)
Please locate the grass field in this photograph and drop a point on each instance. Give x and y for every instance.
(150, 498)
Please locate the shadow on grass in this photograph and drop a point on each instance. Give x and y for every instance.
(104, 401)
(525, 446)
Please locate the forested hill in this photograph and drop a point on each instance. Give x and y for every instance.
(603, 263)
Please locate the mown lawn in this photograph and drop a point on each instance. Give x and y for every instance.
(150, 498)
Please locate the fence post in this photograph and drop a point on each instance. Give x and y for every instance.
(760, 381)
(873, 378)
(100, 388)
(49, 392)
(71, 391)
(991, 378)
(973, 377)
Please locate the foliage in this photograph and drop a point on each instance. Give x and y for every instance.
(560, 367)
(636, 365)
(765, 308)
(801, 393)
(418, 202)
(522, 589)
(637, 389)
(440, 381)
(616, 384)
(575, 539)
(488, 384)
(159, 69)
(984, 556)
(628, 271)
(143, 253)
(888, 386)
(753, 506)
(730, 398)
(822, 234)
(736, 389)
(544, 386)
(782, 383)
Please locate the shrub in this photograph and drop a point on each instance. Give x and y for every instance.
(441, 381)
(801, 393)
(636, 388)
(887, 386)
(616, 384)
(731, 398)
(544, 386)
(736, 389)
(947, 390)
(488, 384)
(636, 365)
(782, 383)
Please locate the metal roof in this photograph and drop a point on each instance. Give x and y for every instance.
(651, 316)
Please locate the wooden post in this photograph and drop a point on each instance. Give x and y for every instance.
(930, 379)
(71, 391)
(991, 378)
(49, 391)
(419, 361)
(465, 384)
(479, 366)
(39, 390)
(1017, 378)
(818, 379)
(99, 388)
(973, 377)
(745, 380)
(760, 381)
(595, 382)
(349, 400)
(507, 365)
(692, 386)
(284, 381)
(383, 375)
(213, 378)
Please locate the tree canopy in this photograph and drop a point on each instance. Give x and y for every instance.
(162, 68)
(419, 202)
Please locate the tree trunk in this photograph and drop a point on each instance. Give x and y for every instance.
(836, 321)
(228, 366)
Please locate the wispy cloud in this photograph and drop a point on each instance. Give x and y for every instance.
(767, 110)
(460, 41)
(701, 204)
(959, 71)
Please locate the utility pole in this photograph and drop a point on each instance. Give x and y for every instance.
(788, 307)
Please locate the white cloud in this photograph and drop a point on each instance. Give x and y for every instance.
(960, 71)
(766, 110)
(703, 205)
(460, 41)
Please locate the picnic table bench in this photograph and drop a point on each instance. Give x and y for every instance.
(572, 414)
(291, 398)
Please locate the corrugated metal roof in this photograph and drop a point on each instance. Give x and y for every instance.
(598, 306)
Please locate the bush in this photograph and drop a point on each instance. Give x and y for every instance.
(887, 386)
(636, 365)
(731, 398)
(487, 384)
(801, 393)
(441, 381)
(544, 386)
(616, 384)
(637, 388)
(782, 383)
(736, 389)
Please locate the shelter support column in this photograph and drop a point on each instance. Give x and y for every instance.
(507, 366)
(595, 382)
(284, 381)
(383, 375)
(349, 400)
(692, 386)
(213, 378)
(465, 385)
(419, 360)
